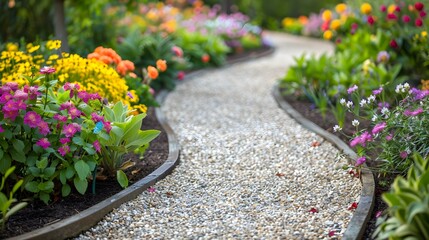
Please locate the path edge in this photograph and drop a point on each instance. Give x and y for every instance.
(74, 225)
(357, 225)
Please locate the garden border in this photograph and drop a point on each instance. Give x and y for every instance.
(72, 226)
(362, 214)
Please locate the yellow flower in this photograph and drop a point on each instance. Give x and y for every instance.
(366, 8)
(287, 22)
(424, 34)
(326, 15)
(425, 84)
(340, 8)
(33, 49)
(12, 47)
(53, 44)
(327, 35)
(335, 24)
(391, 8)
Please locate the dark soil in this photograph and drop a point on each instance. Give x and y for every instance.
(382, 184)
(37, 214)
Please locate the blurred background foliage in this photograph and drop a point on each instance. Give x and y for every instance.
(87, 25)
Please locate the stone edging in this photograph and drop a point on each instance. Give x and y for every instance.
(84, 220)
(362, 214)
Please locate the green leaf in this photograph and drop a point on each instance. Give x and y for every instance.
(70, 172)
(18, 145)
(90, 150)
(63, 178)
(82, 169)
(122, 178)
(44, 197)
(17, 186)
(18, 156)
(65, 190)
(48, 172)
(78, 141)
(47, 186)
(80, 185)
(4, 203)
(32, 187)
(42, 164)
(5, 163)
(9, 172)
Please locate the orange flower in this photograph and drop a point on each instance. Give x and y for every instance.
(161, 65)
(106, 59)
(205, 58)
(93, 55)
(152, 72)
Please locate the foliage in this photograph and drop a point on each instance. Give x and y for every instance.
(6, 202)
(125, 137)
(408, 204)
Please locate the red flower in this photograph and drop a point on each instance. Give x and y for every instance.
(393, 44)
(353, 206)
(181, 75)
(397, 9)
(419, 22)
(422, 14)
(406, 18)
(313, 210)
(383, 8)
(371, 20)
(332, 233)
(391, 16)
(419, 6)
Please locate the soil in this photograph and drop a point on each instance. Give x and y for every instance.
(382, 184)
(37, 214)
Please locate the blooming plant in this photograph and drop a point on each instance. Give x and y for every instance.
(396, 131)
(47, 133)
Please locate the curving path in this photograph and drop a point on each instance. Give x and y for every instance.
(247, 169)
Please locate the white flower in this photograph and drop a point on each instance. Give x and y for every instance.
(371, 99)
(374, 118)
(363, 102)
(337, 128)
(349, 104)
(406, 85)
(355, 123)
(384, 111)
(343, 101)
(399, 88)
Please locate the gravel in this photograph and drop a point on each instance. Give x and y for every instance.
(247, 171)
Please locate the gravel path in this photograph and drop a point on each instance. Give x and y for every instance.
(247, 171)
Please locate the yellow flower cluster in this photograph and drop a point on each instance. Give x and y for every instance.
(14, 64)
(53, 44)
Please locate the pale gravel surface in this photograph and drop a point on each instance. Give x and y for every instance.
(234, 141)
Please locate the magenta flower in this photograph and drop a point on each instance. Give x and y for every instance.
(43, 128)
(11, 115)
(1, 129)
(10, 106)
(97, 146)
(32, 91)
(352, 89)
(69, 130)
(360, 161)
(47, 70)
(74, 112)
(414, 113)
(64, 140)
(418, 22)
(403, 154)
(393, 43)
(406, 18)
(95, 96)
(107, 126)
(378, 214)
(60, 118)
(20, 95)
(392, 16)
(389, 137)
(422, 14)
(151, 189)
(96, 118)
(32, 119)
(84, 96)
(362, 139)
(63, 150)
(371, 20)
(44, 143)
(21, 105)
(13, 86)
(177, 51)
(71, 86)
(383, 8)
(379, 127)
(5, 97)
(66, 105)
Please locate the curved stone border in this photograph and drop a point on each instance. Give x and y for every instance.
(361, 216)
(84, 220)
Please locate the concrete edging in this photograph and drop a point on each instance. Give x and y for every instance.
(362, 214)
(84, 220)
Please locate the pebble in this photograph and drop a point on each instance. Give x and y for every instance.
(247, 169)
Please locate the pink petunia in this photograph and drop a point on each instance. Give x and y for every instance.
(32, 119)
(44, 143)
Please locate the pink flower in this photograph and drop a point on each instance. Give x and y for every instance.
(419, 6)
(181, 75)
(151, 189)
(414, 113)
(360, 161)
(418, 22)
(5, 97)
(378, 214)
(352, 89)
(371, 20)
(403, 154)
(422, 14)
(332, 233)
(393, 43)
(1, 129)
(74, 112)
(84, 96)
(177, 51)
(21, 105)
(377, 91)
(44, 143)
(389, 137)
(63, 150)
(71, 86)
(60, 118)
(383, 8)
(47, 70)
(66, 105)
(64, 140)
(406, 19)
(11, 115)
(32, 91)
(379, 127)
(10, 106)
(69, 130)
(391, 16)
(20, 95)
(107, 126)
(96, 118)
(362, 139)
(32, 119)
(152, 91)
(43, 128)
(13, 86)
(97, 146)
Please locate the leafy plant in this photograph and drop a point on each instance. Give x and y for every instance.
(408, 203)
(6, 202)
(125, 137)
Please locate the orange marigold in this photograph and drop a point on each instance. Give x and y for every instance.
(161, 65)
(152, 72)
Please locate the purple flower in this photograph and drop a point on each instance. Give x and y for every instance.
(389, 137)
(20, 95)
(5, 97)
(352, 89)
(32, 119)
(64, 140)
(60, 118)
(44, 143)
(362, 139)
(403, 154)
(96, 118)
(419, 94)
(97, 146)
(360, 161)
(84, 96)
(13, 86)
(1, 129)
(107, 126)
(63, 150)
(10, 115)
(377, 91)
(414, 113)
(382, 105)
(74, 112)
(32, 91)
(47, 70)
(69, 130)
(383, 57)
(378, 127)
(130, 95)
(66, 105)
(43, 128)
